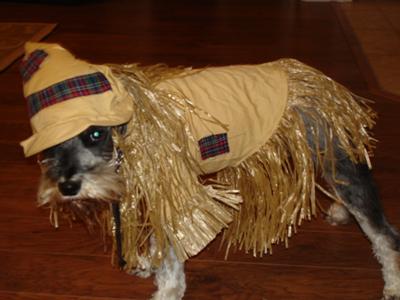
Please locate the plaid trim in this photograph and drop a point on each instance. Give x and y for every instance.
(213, 145)
(31, 64)
(85, 85)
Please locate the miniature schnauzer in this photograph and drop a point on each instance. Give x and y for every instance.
(84, 168)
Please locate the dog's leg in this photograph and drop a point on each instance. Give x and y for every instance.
(170, 278)
(338, 214)
(356, 188)
(144, 267)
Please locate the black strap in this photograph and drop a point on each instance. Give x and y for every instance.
(118, 235)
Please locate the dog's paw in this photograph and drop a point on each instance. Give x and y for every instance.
(143, 269)
(167, 294)
(142, 273)
(391, 294)
(391, 297)
(338, 214)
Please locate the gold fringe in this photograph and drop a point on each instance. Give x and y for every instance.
(278, 182)
(277, 186)
(94, 214)
(165, 200)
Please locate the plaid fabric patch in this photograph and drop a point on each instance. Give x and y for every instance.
(213, 145)
(85, 85)
(31, 64)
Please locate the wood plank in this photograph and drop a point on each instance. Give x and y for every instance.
(14, 132)
(37, 235)
(330, 249)
(4, 295)
(223, 281)
(92, 276)
(13, 154)
(87, 276)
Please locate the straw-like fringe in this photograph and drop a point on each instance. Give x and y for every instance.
(165, 200)
(277, 186)
(278, 182)
(96, 215)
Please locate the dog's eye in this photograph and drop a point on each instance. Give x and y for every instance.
(96, 135)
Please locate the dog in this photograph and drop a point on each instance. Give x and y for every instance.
(85, 166)
(71, 172)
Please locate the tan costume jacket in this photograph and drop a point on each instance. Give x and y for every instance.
(249, 100)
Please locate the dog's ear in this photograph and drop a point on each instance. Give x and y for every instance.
(121, 129)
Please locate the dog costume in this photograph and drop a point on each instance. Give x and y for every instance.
(244, 124)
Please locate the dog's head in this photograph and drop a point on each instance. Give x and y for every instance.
(81, 168)
(66, 99)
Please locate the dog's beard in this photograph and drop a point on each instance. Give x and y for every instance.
(100, 187)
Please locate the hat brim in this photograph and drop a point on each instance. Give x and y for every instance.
(62, 132)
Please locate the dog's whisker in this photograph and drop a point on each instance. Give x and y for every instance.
(46, 161)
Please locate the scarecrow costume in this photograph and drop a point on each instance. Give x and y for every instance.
(244, 124)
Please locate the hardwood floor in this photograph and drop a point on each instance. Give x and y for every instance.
(378, 39)
(322, 262)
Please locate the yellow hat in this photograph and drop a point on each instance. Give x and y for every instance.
(66, 95)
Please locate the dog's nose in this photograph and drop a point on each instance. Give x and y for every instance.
(69, 188)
